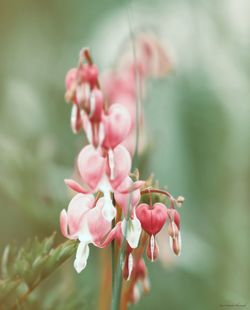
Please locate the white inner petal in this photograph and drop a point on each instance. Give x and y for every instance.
(108, 210)
(79, 93)
(130, 265)
(111, 164)
(152, 247)
(133, 231)
(92, 104)
(101, 134)
(89, 133)
(82, 255)
(73, 118)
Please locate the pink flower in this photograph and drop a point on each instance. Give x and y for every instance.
(152, 219)
(84, 221)
(117, 125)
(102, 172)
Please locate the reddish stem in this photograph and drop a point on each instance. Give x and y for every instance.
(154, 190)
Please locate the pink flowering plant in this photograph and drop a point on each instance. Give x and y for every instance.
(112, 207)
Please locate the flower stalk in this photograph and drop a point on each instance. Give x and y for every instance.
(107, 208)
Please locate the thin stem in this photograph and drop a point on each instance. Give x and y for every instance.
(113, 251)
(138, 253)
(138, 89)
(116, 296)
(154, 190)
(87, 55)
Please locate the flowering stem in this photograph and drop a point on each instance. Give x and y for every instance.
(113, 259)
(138, 253)
(116, 294)
(158, 191)
(138, 91)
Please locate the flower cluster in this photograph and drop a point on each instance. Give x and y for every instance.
(107, 206)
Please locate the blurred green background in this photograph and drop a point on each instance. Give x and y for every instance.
(197, 120)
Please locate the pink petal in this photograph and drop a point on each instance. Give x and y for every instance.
(96, 105)
(70, 77)
(64, 223)
(78, 207)
(122, 165)
(97, 224)
(91, 166)
(114, 234)
(128, 185)
(117, 125)
(75, 186)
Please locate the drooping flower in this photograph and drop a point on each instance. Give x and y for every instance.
(174, 231)
(98, 175)
(152, 218)
(84, 221)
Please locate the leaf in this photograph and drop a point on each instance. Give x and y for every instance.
(30, 264)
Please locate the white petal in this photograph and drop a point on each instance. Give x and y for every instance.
(152, 247)
(108, 210)
(89, 133)
(130, 265)
(82, 255)
(111, 164)
(101, 133)
(92, 105)
(73, 118)
(79, 93)
(179, 239)
(133, 231)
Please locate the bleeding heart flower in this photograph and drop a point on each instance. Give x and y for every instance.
(91, 166)
(100, 174)
(116, 125)
(70, 221)
(127, 194)
(84, 221)
(152, 218)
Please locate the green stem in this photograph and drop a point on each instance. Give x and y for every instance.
(113, 260)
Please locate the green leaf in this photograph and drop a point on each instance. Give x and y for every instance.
(30, 264)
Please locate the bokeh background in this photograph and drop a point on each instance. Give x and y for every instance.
(197, 121)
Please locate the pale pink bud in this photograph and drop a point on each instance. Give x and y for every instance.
(175, 244)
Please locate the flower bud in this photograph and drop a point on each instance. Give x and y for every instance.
(175, 244)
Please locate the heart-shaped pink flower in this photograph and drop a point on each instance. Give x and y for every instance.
(152, 218)
(91, 166)
(117, 125)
